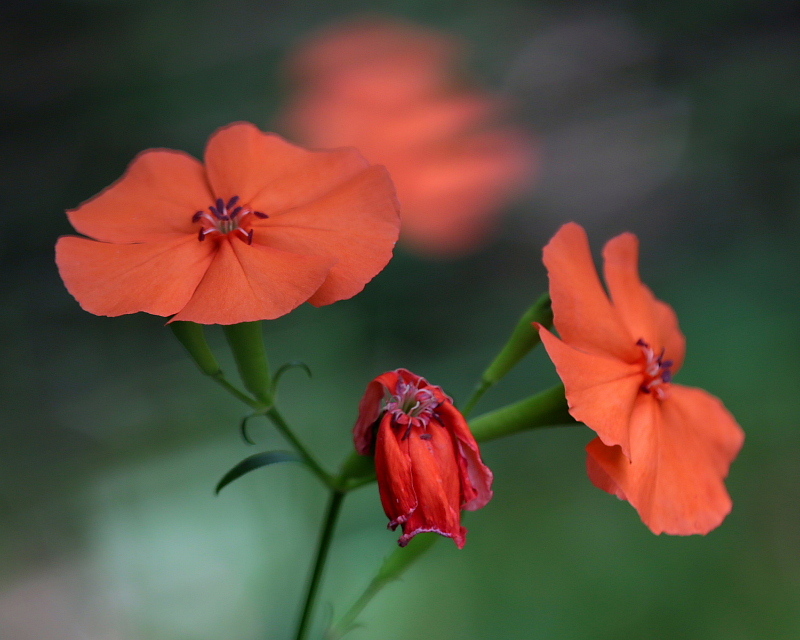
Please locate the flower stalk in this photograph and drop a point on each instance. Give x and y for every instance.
(325, 538)
(523, 339)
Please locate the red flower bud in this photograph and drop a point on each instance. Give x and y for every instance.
(428, 464)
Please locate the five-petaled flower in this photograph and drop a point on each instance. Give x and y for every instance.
(428, 464)
(391, 90)
(261, 228)
(663, 447)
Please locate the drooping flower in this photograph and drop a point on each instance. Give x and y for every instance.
(663, 447)
(389, 89)
(428, 464)
(261, 228)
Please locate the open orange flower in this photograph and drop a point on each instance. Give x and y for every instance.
(428, 464)
(663, 447)
(389, 89)
(261, 228)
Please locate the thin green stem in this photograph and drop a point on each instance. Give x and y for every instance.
(325, 538)
(279, 421)
(482, 387)
(221, 380)
(393, 567)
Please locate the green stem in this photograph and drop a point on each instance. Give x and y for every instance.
(391, 569)
(482, 387)
(282, 426)
(325, 538)
(545, 409)
(221, 380)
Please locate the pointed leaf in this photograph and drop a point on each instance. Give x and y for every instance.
(256, 462)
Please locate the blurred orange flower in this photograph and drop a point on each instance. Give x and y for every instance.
(428, 464)
(389, 89)
(663, 447)
(261, 228)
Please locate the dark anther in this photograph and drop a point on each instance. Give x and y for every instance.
(220, 204)
(232, 201)
(217, 212)
(201, 236)
(196, 217)
(425, 436)
(258, 214)
(235, 212)
(666, 376)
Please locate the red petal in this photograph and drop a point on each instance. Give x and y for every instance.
(251, 282)
(644, 316)
(393, 468)
(114, 279)
(600, 391)
(270, 174)
(437, 486)
(583, 314)
(680, 455)
(369, 409)
(155, 198)
(356, 224)
(476, 477)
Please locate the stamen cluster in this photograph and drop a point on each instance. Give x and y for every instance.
(412, 406)
(657, 371)
(226, 218)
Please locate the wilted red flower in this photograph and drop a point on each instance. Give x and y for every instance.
(663, 447)
(389, 89)
(428, 464)
(261, 228)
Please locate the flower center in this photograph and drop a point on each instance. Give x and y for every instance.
(225, 218)
(412, 406)
(657, 371)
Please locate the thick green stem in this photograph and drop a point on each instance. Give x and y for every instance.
(545, 409)
(325, 538)
(392, 568)
(247, 344)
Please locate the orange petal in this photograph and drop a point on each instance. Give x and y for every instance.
(114, 279)
(600, 391)
(251, 282)
(356, 225)
(582, 312)
(437, 486)
(393, 469)
(680, 455)
(155, 198)
(644, 316)
(270, 174)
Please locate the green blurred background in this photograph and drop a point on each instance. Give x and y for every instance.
(679, 121)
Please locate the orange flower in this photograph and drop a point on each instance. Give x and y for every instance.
(428, 464)
(261, 228)
(663, 447)
(388, 89)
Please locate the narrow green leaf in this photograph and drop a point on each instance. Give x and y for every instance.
(256, 462)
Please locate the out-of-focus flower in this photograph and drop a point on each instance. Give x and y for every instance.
(389, 89)
(261, 228)
(428, 464)
(663, 447)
